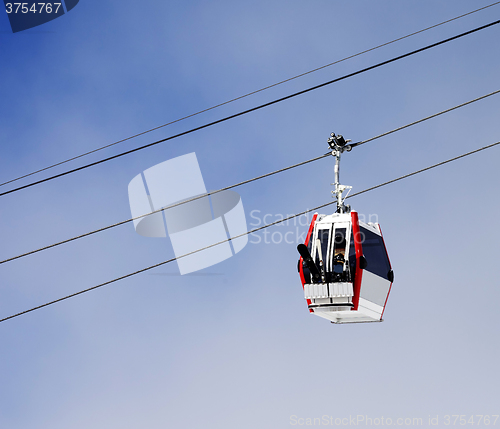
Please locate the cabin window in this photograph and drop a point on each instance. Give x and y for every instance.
(339, 245)
(375, 253)
(323, 236)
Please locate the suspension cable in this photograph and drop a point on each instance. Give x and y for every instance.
(248, 94)
(425, 119)
(246, 233)
(242, 183)
(252, 109)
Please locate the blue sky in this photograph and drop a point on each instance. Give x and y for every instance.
(237, 347)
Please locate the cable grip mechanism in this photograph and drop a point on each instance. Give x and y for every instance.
(338, 145)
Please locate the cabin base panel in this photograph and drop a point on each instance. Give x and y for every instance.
(345, 316)
(367, 312)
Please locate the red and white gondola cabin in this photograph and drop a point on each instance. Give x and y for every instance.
(344, 267)
(345, 270)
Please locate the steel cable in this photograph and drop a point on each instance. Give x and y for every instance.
(252, 109)
(244, 182)
(247, 95)
(246, 233)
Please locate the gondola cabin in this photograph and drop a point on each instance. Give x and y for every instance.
(345, 270)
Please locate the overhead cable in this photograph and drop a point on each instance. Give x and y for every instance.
(425, 119)
(245, 181)
(246, 233)
(164, 208)
(252, 109)
(248, 94)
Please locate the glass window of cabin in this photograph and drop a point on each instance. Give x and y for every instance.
(339, 245)
(323, 236)
(374, 252)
